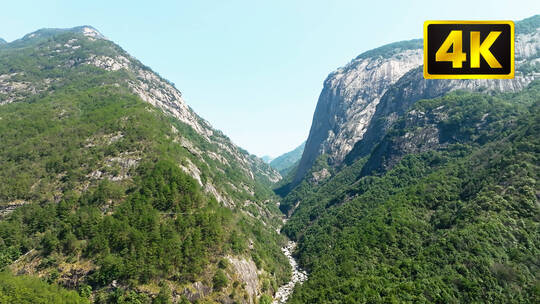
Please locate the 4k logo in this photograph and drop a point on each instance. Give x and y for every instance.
(468, 49)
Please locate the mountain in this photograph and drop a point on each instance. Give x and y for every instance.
(2, 41)
(113, 190)
(380, 84)
(451, 215)
(414, 190)
(287, 161)
(113, 186)
(85, 53)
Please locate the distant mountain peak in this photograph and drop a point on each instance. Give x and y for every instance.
(86, 30)
(89, 31)
(2, 41)
(287, 161)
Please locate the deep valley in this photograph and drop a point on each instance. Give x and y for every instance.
(407, 190)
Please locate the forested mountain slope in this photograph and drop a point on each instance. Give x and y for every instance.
(112, 186)
(420, 190)
(286, 162)
(444, 210)
(393, 100)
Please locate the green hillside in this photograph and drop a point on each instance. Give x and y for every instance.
(28, 290)
(285, 163)
(455, 223)
(113, 190)
(105, 194)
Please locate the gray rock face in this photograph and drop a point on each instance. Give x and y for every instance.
(360, 101)
(194, 292)
(348, 101)
(247, 272)
(413, 87)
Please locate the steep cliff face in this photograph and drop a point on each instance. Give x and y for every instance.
(359, 102)
(413, 87)
(349, 98)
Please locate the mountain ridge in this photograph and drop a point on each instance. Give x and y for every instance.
(162, 94)
(92, 133)
(421, 208)
(287, 161)
(351, 94)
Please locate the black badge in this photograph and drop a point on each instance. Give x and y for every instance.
(468, 49)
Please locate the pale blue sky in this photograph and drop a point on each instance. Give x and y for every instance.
(254, 69)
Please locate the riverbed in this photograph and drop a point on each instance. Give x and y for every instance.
(298, 276)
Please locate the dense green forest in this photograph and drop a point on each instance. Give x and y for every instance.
(159, 225)
(107, 198)
(29, 290)
(457, 224)
(103, 202)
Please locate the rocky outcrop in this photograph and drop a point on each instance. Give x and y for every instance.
(360, 101)
(348, 101)
(247, 272)
(193, 293)
(413, 87)
(6, 209)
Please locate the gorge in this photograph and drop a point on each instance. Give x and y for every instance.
(113, 190)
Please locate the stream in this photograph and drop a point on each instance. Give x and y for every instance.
(298, 276)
